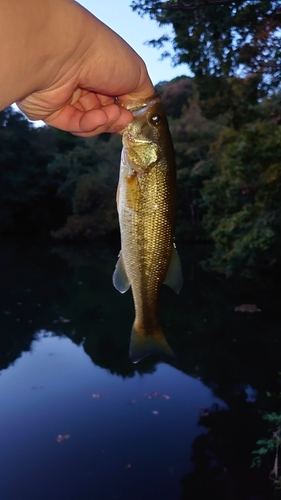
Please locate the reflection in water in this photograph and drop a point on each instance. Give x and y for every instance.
(222, 457)
(85, 432)
(61, 316)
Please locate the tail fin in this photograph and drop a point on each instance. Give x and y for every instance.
(143, 344)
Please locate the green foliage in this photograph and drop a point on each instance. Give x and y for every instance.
(227, 142)
(242, 198)
(222, 39)
(47, 174)
(270, 446)
(192, 135)
(89, 176)
(232, 101)
(25, 185)
(176, 94)
(226, 125)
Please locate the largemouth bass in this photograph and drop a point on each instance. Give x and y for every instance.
(146, 203)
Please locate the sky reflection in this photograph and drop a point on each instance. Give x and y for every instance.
(124, 429)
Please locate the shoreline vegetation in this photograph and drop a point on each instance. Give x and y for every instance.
(227, 139)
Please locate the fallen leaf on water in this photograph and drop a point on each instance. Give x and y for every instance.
(62, 437)
(205, 413)
(150, 396)
(250, 308)
(96, 395)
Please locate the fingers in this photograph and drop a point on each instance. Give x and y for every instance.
(87, 123)
(143, 90)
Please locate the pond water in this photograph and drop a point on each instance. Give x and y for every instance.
(78, 420)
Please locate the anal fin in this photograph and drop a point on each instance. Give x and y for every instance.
(174, 278)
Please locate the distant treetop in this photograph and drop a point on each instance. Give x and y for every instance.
(221, 37)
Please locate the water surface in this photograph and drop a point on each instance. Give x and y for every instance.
(78, 420)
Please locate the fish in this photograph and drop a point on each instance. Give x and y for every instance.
(146, 205)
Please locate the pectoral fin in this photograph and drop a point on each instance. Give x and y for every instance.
(120, 278)
(133, 192)
(174, 277)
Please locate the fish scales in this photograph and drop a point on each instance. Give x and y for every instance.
(146, 209)
(146, 232)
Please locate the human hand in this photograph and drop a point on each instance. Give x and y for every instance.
(75, 108)
(86, 66)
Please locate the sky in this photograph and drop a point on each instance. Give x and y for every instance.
(118, 15)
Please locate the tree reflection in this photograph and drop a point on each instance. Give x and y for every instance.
(222, 457)
(226, 349)
(68, 290)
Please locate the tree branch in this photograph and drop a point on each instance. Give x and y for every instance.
(179, 5)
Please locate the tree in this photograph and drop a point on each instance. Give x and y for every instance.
(192, 135)
(50, 179)
(88, 176)
(242, 198)
(176, 94)
(221, 37)
(28, 192)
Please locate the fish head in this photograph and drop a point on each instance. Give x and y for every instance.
(143, 137)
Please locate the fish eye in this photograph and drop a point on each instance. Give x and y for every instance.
(155, 119)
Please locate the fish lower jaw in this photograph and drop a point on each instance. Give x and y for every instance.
(129, 138)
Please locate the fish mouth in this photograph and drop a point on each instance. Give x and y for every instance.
(132, 139)
(135, 106)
